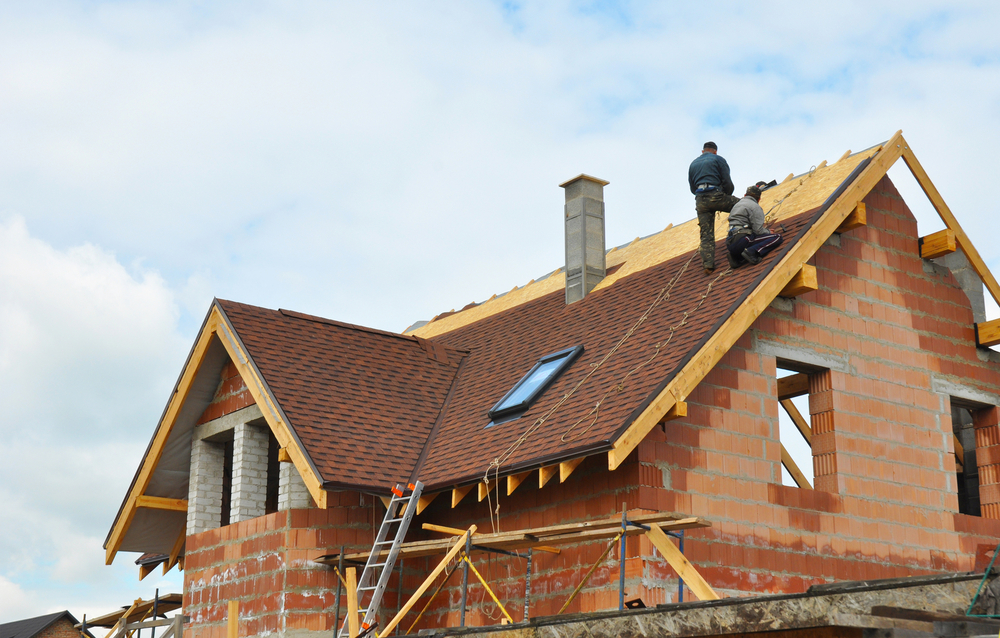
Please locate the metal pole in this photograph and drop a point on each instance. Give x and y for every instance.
(680, 581)
(83, 626)
(156, 600)
(336, 599)
(399, 592)
(527, 587)
(465, 577)
(621, 562)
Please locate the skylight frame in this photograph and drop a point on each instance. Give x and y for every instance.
(500, 412)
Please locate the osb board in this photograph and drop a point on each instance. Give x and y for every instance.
(800, 193)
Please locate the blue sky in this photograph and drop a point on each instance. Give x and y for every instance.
(379, 163)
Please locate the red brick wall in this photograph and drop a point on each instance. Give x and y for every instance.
(885, 506)
(231, 395)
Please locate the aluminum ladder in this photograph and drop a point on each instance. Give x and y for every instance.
(375, 576)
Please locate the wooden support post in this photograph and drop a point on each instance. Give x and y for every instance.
(681, 565)
(514, 480)
(233, 620)
(798, 420)
(938, 244)
(804, 281)
(546, 473)
(485, 489)
(566, 468)
(793, 469)
(793, 386)
(857, 217)
(459, 544)
(425, 500)
(459, 493)
(988, 333)
(353, 622)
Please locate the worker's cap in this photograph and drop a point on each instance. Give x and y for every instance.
(710, 145)
(754, 191)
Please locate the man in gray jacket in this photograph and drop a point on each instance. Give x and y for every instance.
(749, 240)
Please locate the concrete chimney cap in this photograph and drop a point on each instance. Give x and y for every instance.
(590, 178)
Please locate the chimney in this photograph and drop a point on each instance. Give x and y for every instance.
(585, 264)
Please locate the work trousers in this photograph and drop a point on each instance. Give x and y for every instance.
(758, 245)
(707, 205)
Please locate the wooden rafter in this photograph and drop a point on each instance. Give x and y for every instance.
(515, 480)
(798, 419)
(175, 552)
(719, 343)
(486, 488)
(566, 468)
(793, 469)
(458, 493)
(988, 333)
(804, 281)
(855, 219)
(545, 474)
(794, 385)
(160, 503)
(425, 500)
(938, 244)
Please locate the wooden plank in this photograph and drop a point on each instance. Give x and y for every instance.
(353, 622)
(284, 456)
(944, 212)
(604, 523)
(160, 503)
(459, 493)
(486, 488)
(515, 480)
(798, 420)
(269, 408)
(988, 333)
(857, 218)
(692, 578)
(166, 424)
(453, 531)
(754, 305)
(233, 619)
(425, 500)
(793, 469)
(959, 453)
(804, 281)
(566, 468)
(459, 544)
(938, 244)
(545, 474)
(794, 385)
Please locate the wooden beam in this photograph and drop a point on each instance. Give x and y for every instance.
(486, 488)
(175, 552)
(159, 503)
(145, 570)
(451, 531)
(719, 343)
(546, 473)
(804, 281)
(284, 456)
(959, 450)
(793, 469)
(790, 176)
(792, 386)
(938, 244)
(944, 212)
(988, 333)
(846, 154)
(459, 544)
(386, 501)
(233, 619)
(459, 493)
(694, 580)
(857, 218)
(821, 165)
(514, 480)
(425, 500)
(566, 468)
(678, 410)
(353, 622)
(798, 420)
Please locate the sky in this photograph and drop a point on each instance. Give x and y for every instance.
(379, 163)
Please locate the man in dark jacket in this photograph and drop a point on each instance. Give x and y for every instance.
(712, 187)
(749, 240)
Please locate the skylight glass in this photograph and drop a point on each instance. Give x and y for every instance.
(533, 384)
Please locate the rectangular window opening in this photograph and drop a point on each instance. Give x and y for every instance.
(273, 474)
(966, 467)
(794, 427)
(227, 482)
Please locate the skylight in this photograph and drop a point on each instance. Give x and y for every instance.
(532, 385)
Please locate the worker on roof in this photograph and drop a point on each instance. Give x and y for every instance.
(749, 240)
(712, 187)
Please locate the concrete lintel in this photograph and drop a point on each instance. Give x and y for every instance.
(227, 422)
(943, 386)
(802, 355)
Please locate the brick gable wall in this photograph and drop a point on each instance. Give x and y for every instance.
(62, 628)
(886, 503)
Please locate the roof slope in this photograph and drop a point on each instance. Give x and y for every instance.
(362, 402)
(30, 627)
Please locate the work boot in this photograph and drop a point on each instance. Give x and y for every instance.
(709, 271)
(750, 258)
(734, 262)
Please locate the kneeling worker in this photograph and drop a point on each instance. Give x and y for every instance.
(748, 240)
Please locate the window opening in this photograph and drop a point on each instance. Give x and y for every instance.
(794, 430)
(966, 467)
(227, 482)
(273, 474)
(517, 401)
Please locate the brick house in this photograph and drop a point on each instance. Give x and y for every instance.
(627, 378)
(60, 624)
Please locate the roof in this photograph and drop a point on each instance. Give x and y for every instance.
(361, 408)
(30, 627)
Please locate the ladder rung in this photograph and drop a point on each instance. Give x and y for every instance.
(386, 542)
(393, 520)
(367, 588)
